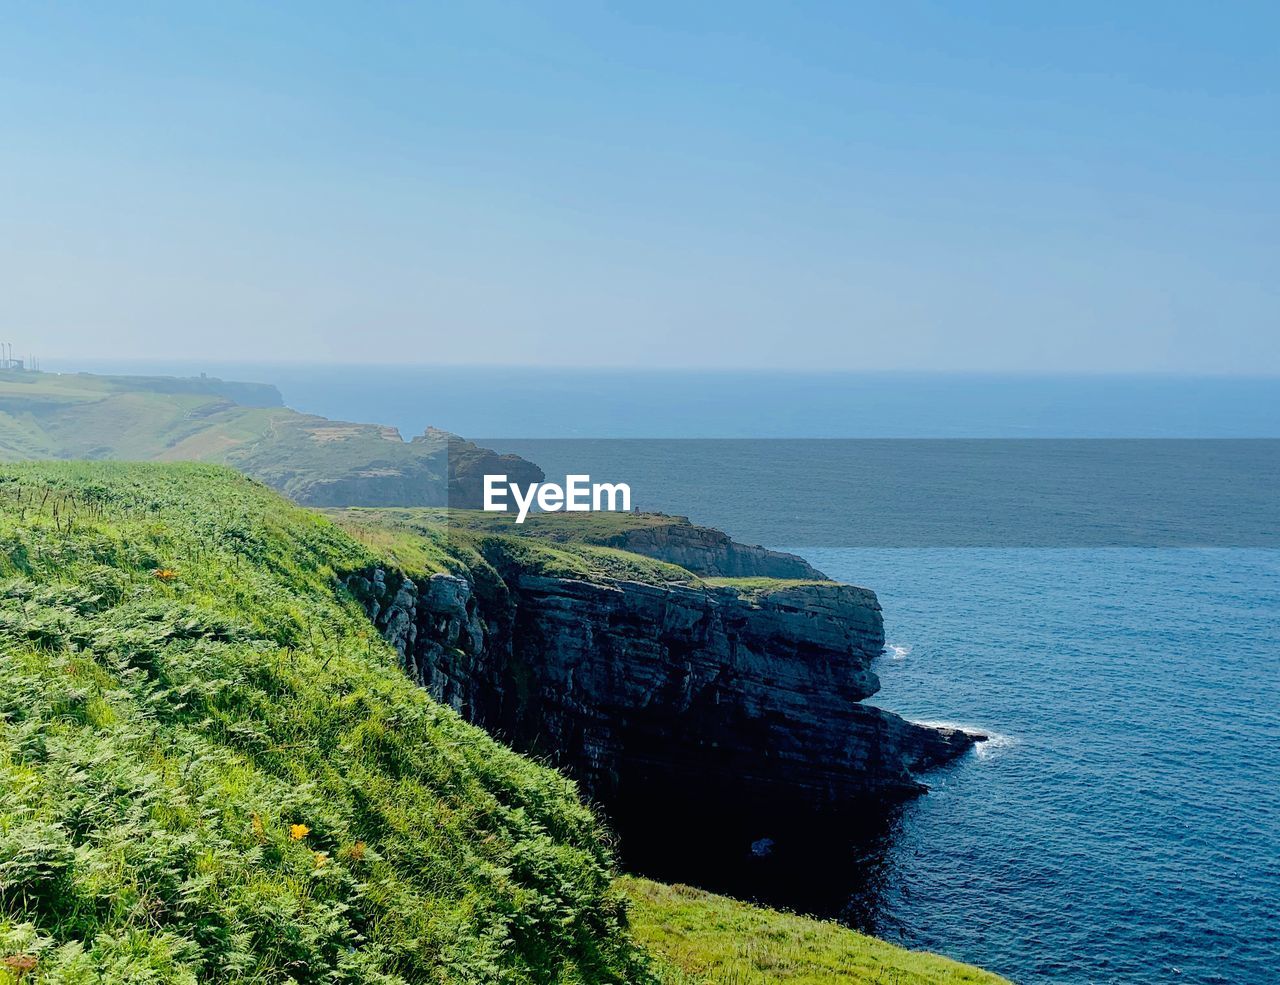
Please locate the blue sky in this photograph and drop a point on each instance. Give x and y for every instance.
(978, 186)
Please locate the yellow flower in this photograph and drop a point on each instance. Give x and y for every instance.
(166, 574)
(322, 859)
(356, 851)
(298, 831)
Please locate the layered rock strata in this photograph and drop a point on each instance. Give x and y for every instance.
(632, 686)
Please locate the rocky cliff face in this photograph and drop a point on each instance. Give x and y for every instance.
(712, 553)
(688, 691)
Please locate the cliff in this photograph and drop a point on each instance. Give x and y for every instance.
(706, 551)
(213, 769)
(737, 692)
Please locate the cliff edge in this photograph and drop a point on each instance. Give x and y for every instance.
(734, 690)
(701, 550)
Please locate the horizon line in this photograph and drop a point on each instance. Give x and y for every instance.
(185, 361)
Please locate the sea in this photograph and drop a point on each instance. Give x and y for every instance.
(1122, 823)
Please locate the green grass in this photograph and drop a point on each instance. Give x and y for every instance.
(419, 550)
(699, 937)
(582, 561)
(432, 536)
(51, 388)
(759, 586)
(161, 734)
(213, 769)
(566, 528)
(85, 416)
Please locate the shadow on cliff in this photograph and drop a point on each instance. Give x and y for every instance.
(835, 862)
(720, 724)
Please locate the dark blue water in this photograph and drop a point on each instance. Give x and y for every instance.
(1124, 824)
(541, 403)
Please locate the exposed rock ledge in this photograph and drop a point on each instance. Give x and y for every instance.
(710, 552)
(637, 687)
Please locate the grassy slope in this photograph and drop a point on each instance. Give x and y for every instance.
(565, 528)
(85, 416)
(161, 735)
(705, 938)
(430, 534)
(180, 685)
(580, 536)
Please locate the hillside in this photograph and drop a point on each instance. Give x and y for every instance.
(313, 460)
(699, 937)
(214, 769)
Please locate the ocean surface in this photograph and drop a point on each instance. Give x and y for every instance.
(1123, 823)
(617, 403)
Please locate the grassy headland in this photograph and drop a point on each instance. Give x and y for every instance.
(311, 459)
(433, 535)
(212, 768)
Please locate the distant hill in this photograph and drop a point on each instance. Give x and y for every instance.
(313, 460)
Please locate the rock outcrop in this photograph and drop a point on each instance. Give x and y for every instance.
(710, 552)
(469, 464)
(637, 688)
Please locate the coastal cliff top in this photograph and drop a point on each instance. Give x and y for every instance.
(214, 767)
(701, 551)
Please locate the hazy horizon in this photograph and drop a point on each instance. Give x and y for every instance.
(488, 402)
(194, 365)
(825, 186)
